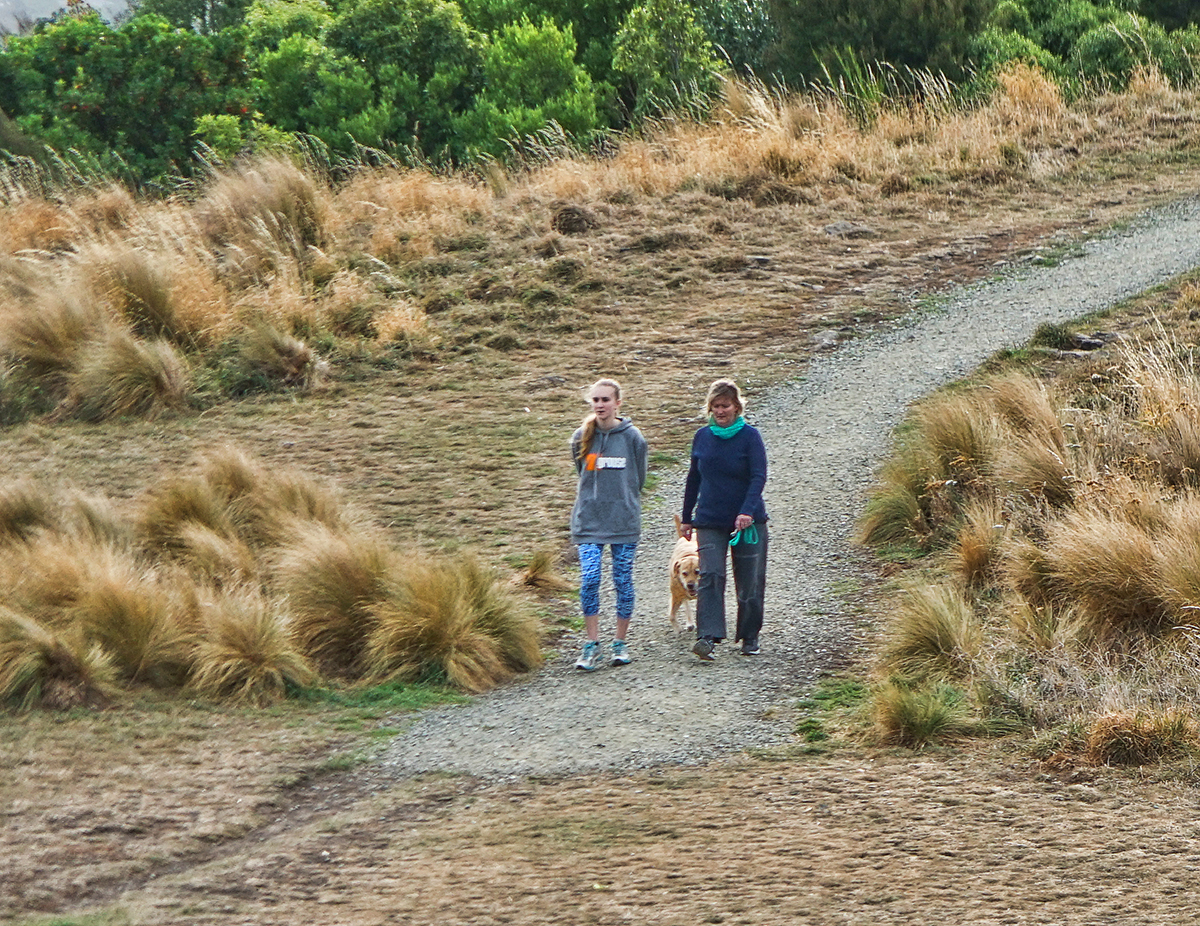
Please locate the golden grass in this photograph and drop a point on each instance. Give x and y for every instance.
(47, 334)
(976, 551)
(333, 584)
(934, 630)
(452, 620)
(1140, 737)
(246, 651)
(25, 507)
(1108, 567)
(146, 628)
(1037, 468)
(122, 376)
(41, 668)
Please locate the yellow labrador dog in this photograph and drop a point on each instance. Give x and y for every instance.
(685, 577)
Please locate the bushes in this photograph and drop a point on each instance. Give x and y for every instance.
(242, 583)
(1066, 581)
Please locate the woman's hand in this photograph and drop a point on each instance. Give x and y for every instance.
(686, 531)
(742, 522)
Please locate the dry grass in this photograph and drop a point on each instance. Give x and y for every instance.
(147, 627)
(247, 652)
(452, 620)
(1140, 738)
(41, 668)
(122, 376)
(1078, 555)
(333, 584)
(25, 507)
(934, 631)
(976, 552)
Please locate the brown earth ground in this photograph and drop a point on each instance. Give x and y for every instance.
(174, 812)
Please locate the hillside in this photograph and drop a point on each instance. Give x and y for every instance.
(196, 814)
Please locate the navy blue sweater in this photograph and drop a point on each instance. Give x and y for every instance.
(725, 479)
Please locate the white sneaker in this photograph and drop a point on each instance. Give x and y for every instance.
(589, 659)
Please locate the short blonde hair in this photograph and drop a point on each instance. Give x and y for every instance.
(724, 388)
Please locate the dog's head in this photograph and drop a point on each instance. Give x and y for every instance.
(687, 572)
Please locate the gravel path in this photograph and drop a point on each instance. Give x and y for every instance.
(825, 434)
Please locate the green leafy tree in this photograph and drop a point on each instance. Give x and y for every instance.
(594, 23)
(740, 30)
(425, 62)
(203, 16)
(129, 95)
(1171, 14)
(1109, 54)
(305, 87)
(269, 22)
(993, 48)
(530, 80)
(929, 35)
(665, 57)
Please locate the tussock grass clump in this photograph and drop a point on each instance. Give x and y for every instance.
(1038, 468)
(39, 667)
(148, 631)
(246, 651)
(268, 359)
(271, 201)
(46, 334)
(240, 582)
(1108, 567)
(976, 552)
(540, 573)
(140, 287)
(1077, 565)
(934, 631)
(25, 507)
(122, 376)
(233, 511)
(914, 716)
(452, 620)
(1140, 737)
(333, 584)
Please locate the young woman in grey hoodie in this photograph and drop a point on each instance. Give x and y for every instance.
(610, 459)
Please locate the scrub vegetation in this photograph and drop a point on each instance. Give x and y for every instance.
(1047, 514)
(276, 439)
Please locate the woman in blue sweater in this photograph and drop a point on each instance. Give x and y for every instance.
(722, 502)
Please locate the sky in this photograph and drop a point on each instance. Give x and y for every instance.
(37, 9)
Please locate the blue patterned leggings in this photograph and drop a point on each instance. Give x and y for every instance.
(590, 555)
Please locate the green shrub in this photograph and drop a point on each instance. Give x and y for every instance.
(665, 57)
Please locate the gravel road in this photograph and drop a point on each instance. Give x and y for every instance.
(826, 433)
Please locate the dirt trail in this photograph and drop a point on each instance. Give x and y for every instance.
(825, 435)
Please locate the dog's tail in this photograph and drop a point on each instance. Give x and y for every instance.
(678, 525)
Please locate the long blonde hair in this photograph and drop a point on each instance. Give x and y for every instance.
(589, 420)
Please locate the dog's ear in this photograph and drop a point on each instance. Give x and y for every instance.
(677, 568)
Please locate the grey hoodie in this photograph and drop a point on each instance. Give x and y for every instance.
(608, 505)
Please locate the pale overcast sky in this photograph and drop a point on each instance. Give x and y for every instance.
(36, 9)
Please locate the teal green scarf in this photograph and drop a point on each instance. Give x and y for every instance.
(726, 433)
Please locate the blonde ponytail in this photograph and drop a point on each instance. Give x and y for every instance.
(589, 420)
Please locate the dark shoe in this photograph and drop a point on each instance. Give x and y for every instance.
(750, 647)
(704, 649)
